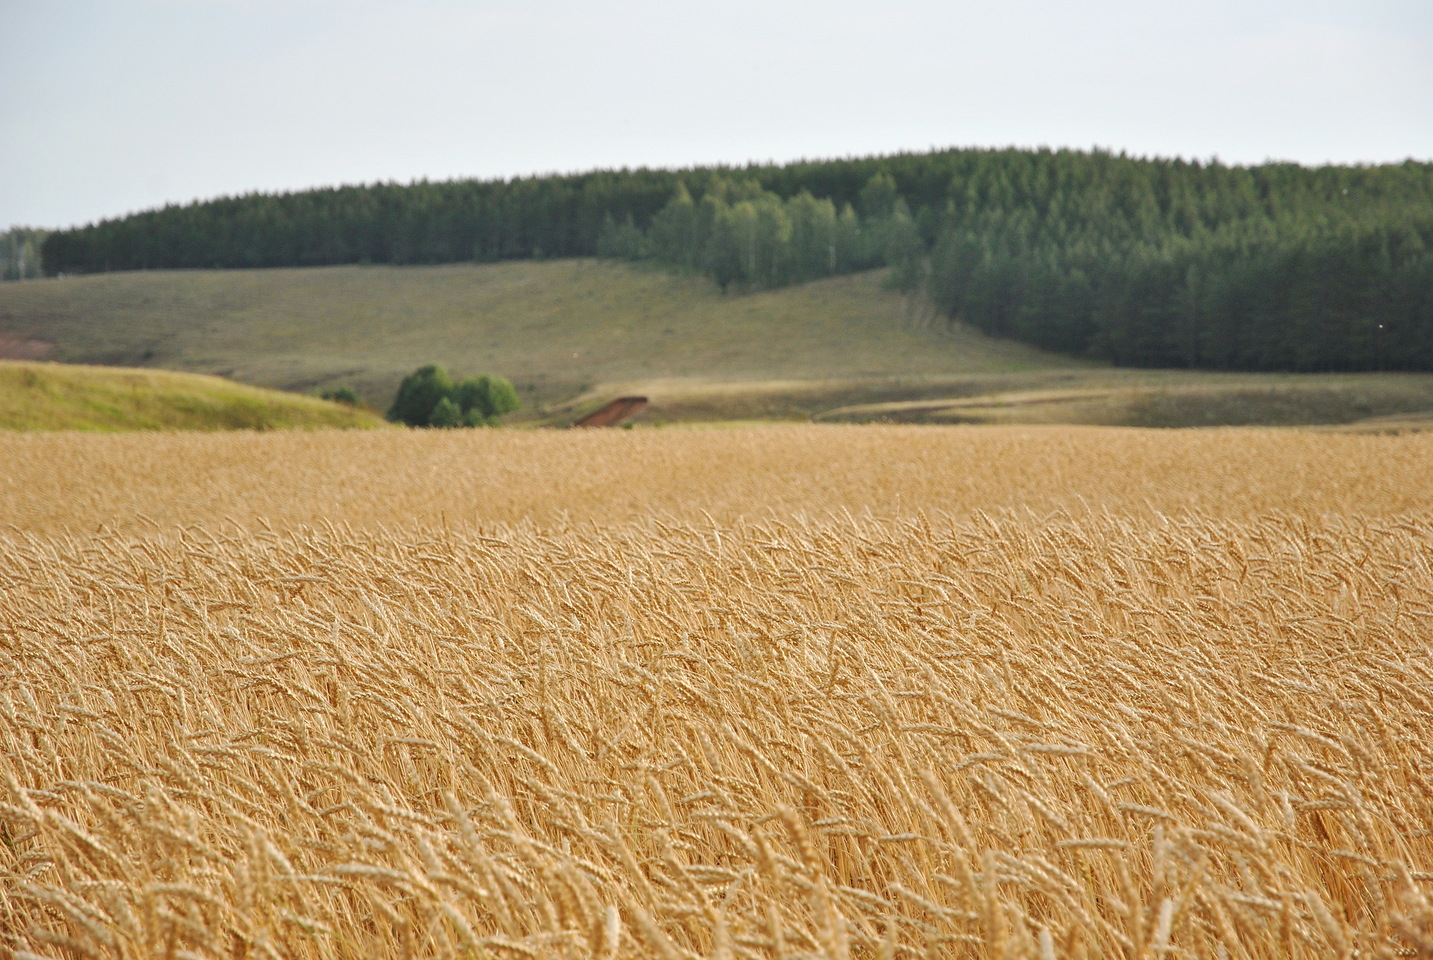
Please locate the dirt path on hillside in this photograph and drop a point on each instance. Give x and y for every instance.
(14, 348)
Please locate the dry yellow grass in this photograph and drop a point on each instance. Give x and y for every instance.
(764, 709)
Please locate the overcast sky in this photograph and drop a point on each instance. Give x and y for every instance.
(111, 106)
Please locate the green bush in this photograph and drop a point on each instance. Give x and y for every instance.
(418, 394)
(471, 396)
(345, 395)
(428, 397)
(445, 414)
(489, 396)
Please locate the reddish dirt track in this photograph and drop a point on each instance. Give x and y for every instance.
(13, 348)
(614, 413)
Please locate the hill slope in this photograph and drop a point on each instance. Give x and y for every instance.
(573, 334)
(46, 396)
(553, 327)
(1140, 261)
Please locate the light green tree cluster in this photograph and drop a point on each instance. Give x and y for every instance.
(20, 253)
(744, 236)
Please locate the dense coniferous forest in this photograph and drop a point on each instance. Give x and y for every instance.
(1138, 261)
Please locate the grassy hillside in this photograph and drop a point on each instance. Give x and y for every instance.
(554, 328)
(572, 334)
(1375, 402)
(47, 396)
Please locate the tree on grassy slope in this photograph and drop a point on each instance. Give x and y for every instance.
(418, 394)
(428, 397)
(483, 399)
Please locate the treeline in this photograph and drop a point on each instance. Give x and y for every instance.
(20, 254)
(1170, 263)
(742, 234)
(1142, 262)
(482, 220)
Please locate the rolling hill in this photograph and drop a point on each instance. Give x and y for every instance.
(555, 328)
(572, 334)
(49, 396)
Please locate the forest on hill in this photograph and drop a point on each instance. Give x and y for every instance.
(20, 253)
(1141, 262)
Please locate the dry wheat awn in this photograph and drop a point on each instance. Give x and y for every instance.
(1183, 722)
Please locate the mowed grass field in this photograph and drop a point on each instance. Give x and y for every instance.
(574, 334)
(781, 692)
(555, 328)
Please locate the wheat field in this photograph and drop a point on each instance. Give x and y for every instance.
(766, 693)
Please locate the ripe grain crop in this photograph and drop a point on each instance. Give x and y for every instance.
(1156, 726)
(67, 483)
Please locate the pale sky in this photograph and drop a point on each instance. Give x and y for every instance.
(113, 106)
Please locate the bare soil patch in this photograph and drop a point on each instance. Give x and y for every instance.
(18, 348)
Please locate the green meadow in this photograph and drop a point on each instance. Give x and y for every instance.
(50, 396)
